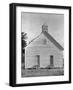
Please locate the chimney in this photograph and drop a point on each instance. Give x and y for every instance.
(45, 28)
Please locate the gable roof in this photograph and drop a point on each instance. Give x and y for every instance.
(53, 40)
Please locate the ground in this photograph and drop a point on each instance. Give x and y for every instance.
(41, 72)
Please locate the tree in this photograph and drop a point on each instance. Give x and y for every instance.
(24, 44)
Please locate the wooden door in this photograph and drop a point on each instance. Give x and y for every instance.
(38, 60)
(51, 60)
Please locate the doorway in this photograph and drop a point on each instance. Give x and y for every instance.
(38, 60)
(51, 60)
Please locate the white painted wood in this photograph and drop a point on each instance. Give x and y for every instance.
(38, 47)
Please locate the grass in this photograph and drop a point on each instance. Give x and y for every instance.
(42, 72)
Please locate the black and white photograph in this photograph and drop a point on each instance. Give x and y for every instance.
(40, 44)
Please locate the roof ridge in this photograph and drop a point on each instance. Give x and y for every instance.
(53, 40)
(34, 39)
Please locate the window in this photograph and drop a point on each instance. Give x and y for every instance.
(44, 41)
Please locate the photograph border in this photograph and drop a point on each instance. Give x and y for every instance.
(12, 41)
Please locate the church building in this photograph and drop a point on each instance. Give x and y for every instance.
(44, 51)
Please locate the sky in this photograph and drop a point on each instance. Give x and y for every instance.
(32, 25)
